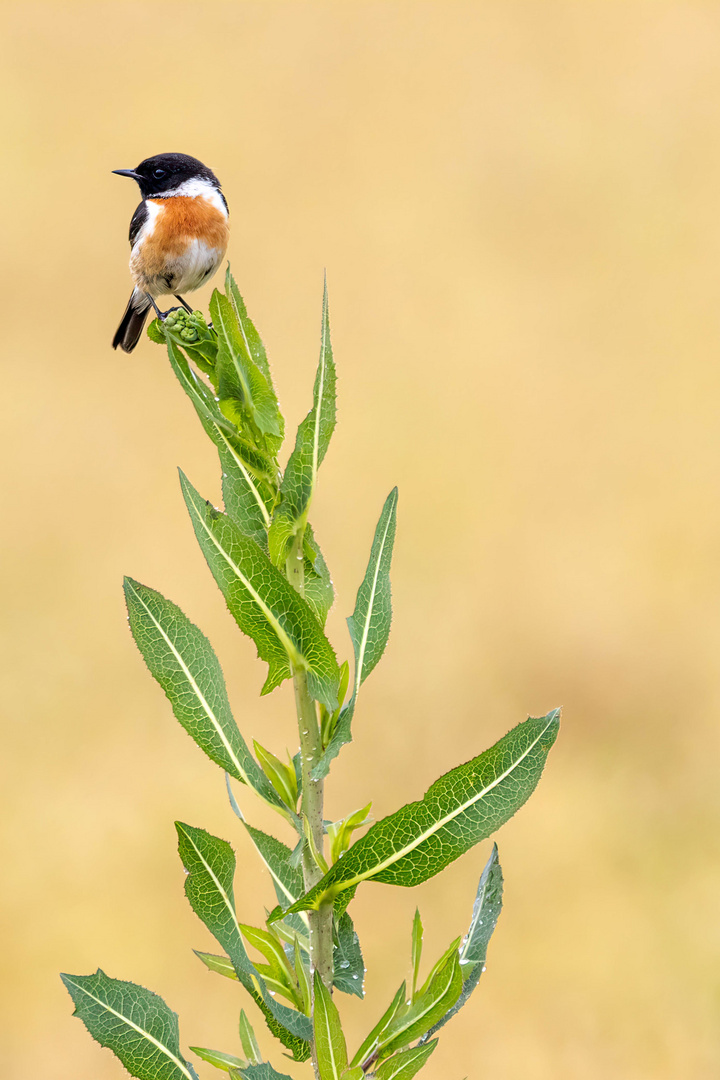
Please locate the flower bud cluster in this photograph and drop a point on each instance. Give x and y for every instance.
(189, 327)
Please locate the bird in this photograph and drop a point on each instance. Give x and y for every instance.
(178, 236)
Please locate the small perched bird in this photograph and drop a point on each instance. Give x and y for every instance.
(178, 236)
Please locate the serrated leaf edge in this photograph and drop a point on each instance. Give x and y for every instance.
(322, 371)
(322, 1011)
(182, 1065)
(200, 696)
(246, 474)
(294, 656)
(378, 868)
(360, 655)
(455, 813)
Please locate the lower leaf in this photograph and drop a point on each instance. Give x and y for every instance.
(258, 1072)
(210, 863)
(348, 966)
(218, 1059)
(405, 1065)
(437, 996)
(137, 1025)
(486, 911)
(330, 1046)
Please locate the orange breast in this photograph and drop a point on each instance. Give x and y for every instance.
(182, 219)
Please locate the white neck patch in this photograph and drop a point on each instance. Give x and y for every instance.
(196, 188)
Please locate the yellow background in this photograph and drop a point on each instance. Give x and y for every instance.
(518, 205)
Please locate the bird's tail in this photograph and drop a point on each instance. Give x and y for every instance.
(131, 325)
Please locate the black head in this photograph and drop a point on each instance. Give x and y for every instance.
(164, 173)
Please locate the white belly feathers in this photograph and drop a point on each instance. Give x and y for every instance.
(181, 243)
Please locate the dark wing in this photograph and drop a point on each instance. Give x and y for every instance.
(138, 220)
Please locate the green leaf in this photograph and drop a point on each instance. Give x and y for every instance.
(210, 863)
(406, 1064)
(433, 1000)
(259, 1072)
(340, 832)
(263, 603)
(302, 974)
(288, 880)
(330, 1047)
(463, 807)
(133, 1022)
(417, 944)
(280, 774)
(251, 1050)
(220, 964)
(191, 333)
(486, 912)
(182, 660)
(353, 1074)
(278, 973)
(218, 1059)
(318, 588)
(312, 441)
(197, 390)
(371, 1041)
(348, 966)
(242, 385)
(246, 498)
(349, 969)
(251, 338)
(240, 460)
(369, 624)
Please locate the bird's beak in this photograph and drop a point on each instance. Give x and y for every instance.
(127, 172)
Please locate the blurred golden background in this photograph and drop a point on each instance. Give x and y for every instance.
(518, 205)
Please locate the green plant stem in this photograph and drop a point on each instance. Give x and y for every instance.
(321, 922)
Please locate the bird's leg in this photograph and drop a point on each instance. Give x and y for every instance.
(183, 302)
(162, 315)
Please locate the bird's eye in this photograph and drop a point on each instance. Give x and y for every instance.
(158, 173)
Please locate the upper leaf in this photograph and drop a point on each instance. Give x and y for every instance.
(182, 660)
(463, 807)
(369, 624)
(330, 1046)
(313, 438)
(245, 496)
(263, 603)
(133, 1022)
(246, 468)
(251, 338)
(210, 863)
(243, 386)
